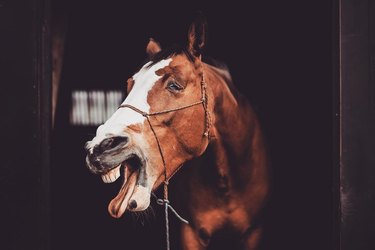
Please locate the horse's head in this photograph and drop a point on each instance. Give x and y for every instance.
(129, 141)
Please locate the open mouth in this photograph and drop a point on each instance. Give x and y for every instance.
(133, 170)
(130, 164)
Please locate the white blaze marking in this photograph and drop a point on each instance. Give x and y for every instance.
(144, 81)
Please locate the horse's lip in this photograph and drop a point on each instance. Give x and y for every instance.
(119, 204)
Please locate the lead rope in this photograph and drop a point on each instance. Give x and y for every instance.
(165, 201)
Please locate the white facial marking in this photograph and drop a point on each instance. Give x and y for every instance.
(144, 81)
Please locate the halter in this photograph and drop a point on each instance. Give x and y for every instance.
(206, 133)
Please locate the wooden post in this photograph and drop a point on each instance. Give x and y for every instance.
(357, 146)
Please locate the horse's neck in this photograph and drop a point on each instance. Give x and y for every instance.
(235, 130)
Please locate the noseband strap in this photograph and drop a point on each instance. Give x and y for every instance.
(206, 133)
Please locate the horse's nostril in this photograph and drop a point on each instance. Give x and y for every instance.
(133, 204)
(96, 150)
(106, 144)
(112, 142)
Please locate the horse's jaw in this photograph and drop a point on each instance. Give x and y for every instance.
(119, 204)
(138, 177)
(134, 194)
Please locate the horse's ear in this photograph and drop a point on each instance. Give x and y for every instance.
(197, 36)
(152, 48)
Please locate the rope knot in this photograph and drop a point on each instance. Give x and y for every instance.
(166, 204)
(162, 202)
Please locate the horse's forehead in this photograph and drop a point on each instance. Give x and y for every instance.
(144, 81)
(147, 75)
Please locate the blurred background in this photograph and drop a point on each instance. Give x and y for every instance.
(280, 57)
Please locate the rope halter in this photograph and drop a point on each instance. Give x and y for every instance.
(165, 201)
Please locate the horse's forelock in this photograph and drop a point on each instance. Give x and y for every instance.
(168, 53)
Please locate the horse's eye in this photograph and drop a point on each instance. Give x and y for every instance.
(174, 86)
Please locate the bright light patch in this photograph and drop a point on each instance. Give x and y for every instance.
(94, 107)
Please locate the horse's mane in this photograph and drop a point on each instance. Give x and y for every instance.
(220, 67)
(169, 52)
(173, 50)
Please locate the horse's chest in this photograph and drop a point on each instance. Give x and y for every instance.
(210, 203)
(212, 211)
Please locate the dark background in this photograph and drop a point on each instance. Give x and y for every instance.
(280, 56)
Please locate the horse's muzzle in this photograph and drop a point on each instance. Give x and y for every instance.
(106, 155)
(110, 144)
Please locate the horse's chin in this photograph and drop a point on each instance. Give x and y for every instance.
(133, 194)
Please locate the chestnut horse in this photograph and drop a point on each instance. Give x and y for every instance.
(182, 111)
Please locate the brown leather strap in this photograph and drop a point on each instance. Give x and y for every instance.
(203, 101)
(134, 108)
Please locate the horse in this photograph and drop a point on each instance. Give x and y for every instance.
(184, 113)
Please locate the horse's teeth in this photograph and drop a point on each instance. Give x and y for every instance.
(104, 178)
(112, 175)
